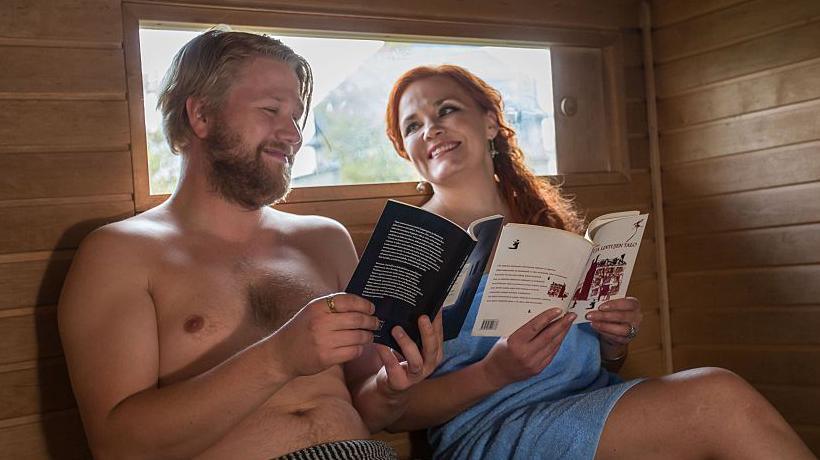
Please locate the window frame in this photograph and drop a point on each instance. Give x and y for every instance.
(311, 23)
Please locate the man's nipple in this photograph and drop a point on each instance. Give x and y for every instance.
(194, 323)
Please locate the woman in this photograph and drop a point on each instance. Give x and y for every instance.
(542, 392)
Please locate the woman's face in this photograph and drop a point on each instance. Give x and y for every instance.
(445, 132)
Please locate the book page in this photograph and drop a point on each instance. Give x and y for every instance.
(607, 272)
(535, 268)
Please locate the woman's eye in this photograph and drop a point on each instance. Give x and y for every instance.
(446, 110)
(411, 128)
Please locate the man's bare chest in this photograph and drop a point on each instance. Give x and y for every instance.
(209, 308)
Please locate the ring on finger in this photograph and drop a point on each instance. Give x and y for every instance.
(331, 305)
(633, 331)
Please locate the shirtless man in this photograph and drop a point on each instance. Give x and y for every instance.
(189, 330)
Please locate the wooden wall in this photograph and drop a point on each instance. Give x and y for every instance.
(66, 168)
(739, 114)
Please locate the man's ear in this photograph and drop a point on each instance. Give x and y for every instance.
(197, 120)
(492, 124)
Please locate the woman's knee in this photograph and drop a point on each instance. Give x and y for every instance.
(725, 391)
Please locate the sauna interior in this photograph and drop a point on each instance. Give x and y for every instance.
(710, 121)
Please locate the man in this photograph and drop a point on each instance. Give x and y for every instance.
(189, 330)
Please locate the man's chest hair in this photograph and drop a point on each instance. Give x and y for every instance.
(273, 299)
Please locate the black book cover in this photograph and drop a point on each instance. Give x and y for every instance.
(409, 266)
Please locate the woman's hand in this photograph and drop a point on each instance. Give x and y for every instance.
(398, 375)
(528, 350)
(617, 321)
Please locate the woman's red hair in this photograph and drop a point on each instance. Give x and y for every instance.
(533, 200)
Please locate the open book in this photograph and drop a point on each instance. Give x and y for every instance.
(537, 268)
(413, 259)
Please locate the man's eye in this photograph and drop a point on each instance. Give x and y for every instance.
(272, 110)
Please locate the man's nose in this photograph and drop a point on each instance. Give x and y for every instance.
(291, 133)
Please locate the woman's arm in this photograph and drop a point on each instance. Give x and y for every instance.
(617, 322)
(518, 357)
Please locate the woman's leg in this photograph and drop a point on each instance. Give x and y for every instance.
(701, 413)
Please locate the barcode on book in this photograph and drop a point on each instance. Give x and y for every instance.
(489, 325)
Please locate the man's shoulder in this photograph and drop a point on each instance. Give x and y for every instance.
(133, 236)
(307, 224)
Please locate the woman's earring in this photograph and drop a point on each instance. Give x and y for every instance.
(423, 187)
(493, 151)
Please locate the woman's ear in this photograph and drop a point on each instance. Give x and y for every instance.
(492, 124)
(197, 120)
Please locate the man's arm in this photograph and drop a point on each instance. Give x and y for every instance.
(377, 380)
(109, 332)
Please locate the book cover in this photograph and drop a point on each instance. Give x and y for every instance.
(411, 263)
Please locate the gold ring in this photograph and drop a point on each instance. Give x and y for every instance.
(331, 305)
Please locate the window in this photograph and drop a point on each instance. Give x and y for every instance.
(576, 72)
(344, 139)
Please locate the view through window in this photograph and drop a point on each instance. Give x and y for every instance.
(344, 139)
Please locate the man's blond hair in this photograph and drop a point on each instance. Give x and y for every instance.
(205, 68)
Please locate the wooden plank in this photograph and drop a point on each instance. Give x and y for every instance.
(787, 85)
(645, 290)
(581, 136)
(52, 175)
(667, 12)
(637, 191)
(585, 13)
(643, 363)
(33, 282)
(639, 153)
(798, 404)
(747, 326)
(645, 266)
(89, 20)
(634, 83)
(30, 337)
(790, 245)
(787, 47)
(56, 435)
(59, 123)
(798, 285)
(731, 25)
(745, 210)
(32, 70)
(636, 117)
(770, 365)
(43, 387)
(37, 228)
(762, 130)
(633, 47)
(351, 213)
(777, 167)
(399, 441)
(650, 333)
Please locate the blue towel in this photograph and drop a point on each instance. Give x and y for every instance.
(559, 413)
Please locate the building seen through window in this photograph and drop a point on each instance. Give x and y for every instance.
(344, 139)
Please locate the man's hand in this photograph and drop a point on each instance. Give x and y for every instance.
(327, 331)
(528, 350)
(397, 376)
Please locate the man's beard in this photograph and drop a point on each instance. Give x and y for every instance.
(242, 175)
